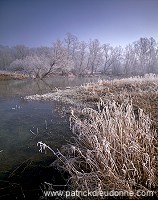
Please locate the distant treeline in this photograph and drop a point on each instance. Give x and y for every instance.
(72, 56)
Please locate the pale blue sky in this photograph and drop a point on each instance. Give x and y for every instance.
(40, 22)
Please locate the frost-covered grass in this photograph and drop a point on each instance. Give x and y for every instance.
(67, 96)
(115, 138)
(143, 91)
(113, 149)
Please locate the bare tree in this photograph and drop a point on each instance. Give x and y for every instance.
(117, 60)
(146, 51)
(55, 60)
(95, 54)
(72, 56)
(81, 59)
(71, 44)
(62, 61)
(130, 60)
(112, 59)
(108, 54)
(34, 65)
(6, 57)
(20, 51)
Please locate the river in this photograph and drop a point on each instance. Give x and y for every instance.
(24, 123)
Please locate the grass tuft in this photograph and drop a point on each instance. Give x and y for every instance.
(114, 149)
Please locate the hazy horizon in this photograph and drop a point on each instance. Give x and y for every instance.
(36, 23)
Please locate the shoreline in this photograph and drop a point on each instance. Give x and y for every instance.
(142, 91)
(127, 109)
(4, 75)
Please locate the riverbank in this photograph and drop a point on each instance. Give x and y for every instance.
(143, 91)
(4, 75)
(115, 146)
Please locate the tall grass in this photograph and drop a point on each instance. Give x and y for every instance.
(115, 145)
(114, 149)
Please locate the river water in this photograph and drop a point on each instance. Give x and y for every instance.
(24, 123)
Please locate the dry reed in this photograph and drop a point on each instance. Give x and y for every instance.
(115, 145)
(114, 149)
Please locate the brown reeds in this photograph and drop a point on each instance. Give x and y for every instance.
(4, 75)
(114, 149)
(115, 140)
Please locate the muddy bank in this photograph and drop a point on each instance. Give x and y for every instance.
(11, 75)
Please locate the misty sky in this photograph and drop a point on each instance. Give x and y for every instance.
(40, 22)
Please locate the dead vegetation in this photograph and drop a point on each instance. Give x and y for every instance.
(113, 149)
(115, 138)
(143, 91)
(10, 75)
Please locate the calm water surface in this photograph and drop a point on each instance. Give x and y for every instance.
(24, 123)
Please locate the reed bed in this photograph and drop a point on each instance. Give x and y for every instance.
(114, 149)
(119, 89)
(115, 136)
(142, 90)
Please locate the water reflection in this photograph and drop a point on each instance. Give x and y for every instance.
(24, 123)
(29, 86)
(16, 127)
